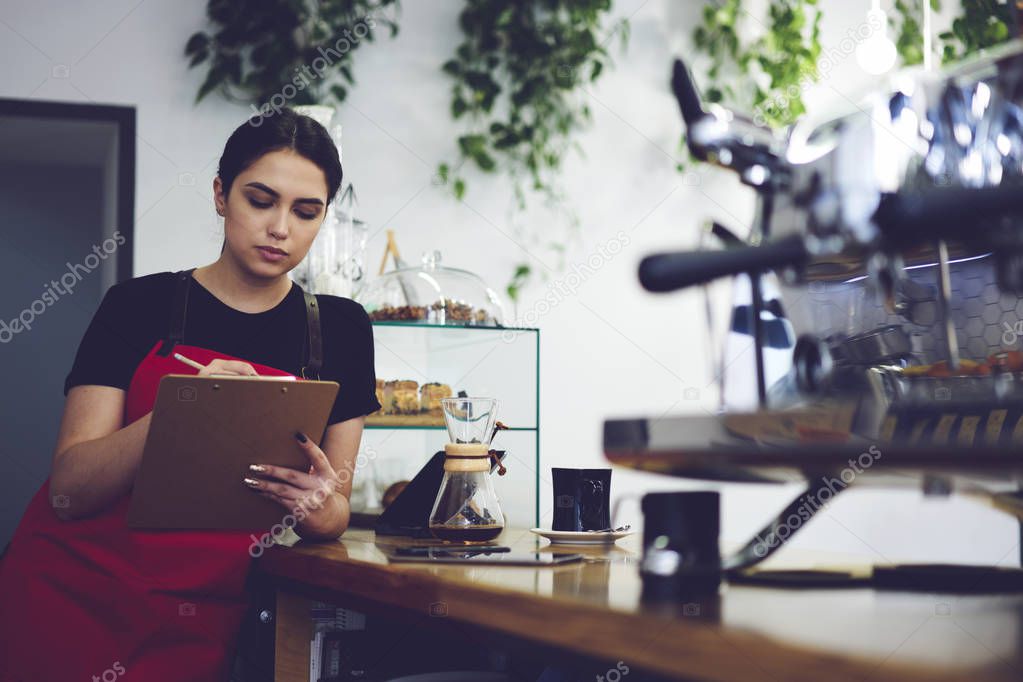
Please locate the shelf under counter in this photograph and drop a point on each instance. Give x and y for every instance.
(594, 609)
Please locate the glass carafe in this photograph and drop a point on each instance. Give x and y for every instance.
(467, 510)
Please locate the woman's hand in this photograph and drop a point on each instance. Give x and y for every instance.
(232, 367)
(312, 497)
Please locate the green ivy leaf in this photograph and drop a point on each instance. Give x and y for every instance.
(197, 43)
(213, 79)
(485, 162)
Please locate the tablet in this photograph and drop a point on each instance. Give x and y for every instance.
(478, 555)
(204, 434)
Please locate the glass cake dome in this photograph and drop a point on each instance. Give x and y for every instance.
(432, 294)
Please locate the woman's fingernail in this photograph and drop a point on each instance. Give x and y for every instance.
(252, 483)
(258, 468)
(300, 437)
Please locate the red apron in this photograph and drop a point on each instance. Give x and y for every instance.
(92, 599)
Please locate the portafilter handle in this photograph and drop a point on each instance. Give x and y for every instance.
(685, 92)
(954, 213)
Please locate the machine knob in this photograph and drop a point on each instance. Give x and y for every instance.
(813, 363)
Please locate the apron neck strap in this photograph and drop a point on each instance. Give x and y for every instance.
(314, 341)
(179, 307)
(313, 354)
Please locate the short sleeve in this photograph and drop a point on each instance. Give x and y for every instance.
(107, 355)
(349, 357)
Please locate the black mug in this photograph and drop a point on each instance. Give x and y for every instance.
(681, 557)
(582, 499)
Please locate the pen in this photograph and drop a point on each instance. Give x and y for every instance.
(195, 365)
(191, 363)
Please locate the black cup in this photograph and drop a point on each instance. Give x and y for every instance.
(681, 557)
(582, 499)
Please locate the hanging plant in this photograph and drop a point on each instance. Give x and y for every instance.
(909, 38)
(981, 24)
(775, 67)
(279, 52)
(518, 76)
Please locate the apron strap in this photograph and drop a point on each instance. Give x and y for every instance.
(179, 307)
(314, 354)
(314, 341)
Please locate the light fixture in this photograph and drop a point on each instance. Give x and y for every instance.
(876, 55)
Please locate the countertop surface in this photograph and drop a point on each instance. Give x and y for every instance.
(594, 608)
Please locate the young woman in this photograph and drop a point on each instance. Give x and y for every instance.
(81, 595)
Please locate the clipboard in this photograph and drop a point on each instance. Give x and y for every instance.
(204, 434)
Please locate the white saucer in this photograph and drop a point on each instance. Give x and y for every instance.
(569, 537)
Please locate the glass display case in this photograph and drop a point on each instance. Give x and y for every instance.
(420, 364)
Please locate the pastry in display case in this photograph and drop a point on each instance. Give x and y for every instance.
(404, 403)
(431, 394)
(401, 405)
(401, 397)
(432, 294)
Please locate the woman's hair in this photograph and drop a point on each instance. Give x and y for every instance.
(284, 130)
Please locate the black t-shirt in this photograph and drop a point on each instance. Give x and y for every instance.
(136, 313)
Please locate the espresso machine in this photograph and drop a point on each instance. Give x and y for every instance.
(885, 268)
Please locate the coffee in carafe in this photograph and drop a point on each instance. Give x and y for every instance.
(467, 510)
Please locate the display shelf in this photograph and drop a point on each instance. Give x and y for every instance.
(406, 420)
(498, 362)
(457, 327)
(415, 427)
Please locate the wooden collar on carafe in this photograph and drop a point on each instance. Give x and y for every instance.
(470, 457)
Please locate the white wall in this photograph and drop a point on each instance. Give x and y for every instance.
(608, 350)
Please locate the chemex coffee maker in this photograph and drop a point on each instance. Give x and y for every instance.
(879, 297)
(466, 510)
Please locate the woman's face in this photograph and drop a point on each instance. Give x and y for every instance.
(273, 212)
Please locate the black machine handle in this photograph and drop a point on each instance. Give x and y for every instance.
(685, 92)
(665, 272)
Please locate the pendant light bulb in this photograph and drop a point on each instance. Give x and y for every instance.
(876, 55)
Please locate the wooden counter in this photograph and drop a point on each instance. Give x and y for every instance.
(593, 609)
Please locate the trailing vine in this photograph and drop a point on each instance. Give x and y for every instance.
(262, 52)
(776, 66)
(909, 38)
(517, 84)
(981, 24)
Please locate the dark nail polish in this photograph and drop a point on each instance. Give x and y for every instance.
(300, 437)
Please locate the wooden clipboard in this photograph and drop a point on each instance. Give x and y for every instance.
(204, 434)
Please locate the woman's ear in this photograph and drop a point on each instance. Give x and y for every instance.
(218, 195)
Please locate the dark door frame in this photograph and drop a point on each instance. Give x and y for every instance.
(124, 118)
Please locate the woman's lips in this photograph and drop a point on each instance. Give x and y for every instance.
(271, 255)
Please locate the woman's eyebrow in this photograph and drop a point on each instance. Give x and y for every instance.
(275, 194)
